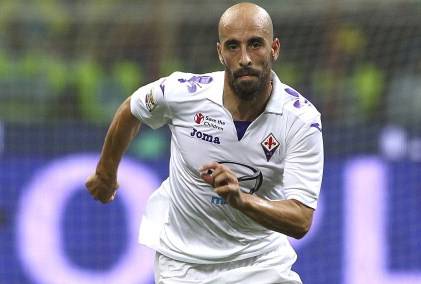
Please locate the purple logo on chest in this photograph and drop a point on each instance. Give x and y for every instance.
(196, 81)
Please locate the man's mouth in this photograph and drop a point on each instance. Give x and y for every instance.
(245, 74)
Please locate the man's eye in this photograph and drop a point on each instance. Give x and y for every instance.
(256, 44)
(232, 46)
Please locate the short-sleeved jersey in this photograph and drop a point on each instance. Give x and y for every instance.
(185, 219)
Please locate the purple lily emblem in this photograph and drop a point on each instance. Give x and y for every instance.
(162, 86)
(196, 81)
(316, 125)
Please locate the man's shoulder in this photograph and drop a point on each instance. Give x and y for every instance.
(184, 84)
(297, 105)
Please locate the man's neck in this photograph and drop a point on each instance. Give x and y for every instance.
(245, 110)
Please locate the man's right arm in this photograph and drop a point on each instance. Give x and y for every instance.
(102, 185)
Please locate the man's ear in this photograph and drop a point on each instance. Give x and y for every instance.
(222, 60)
(276, 47)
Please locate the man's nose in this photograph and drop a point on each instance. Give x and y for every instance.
(245, 59)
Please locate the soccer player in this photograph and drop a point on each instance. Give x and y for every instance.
(246, 162)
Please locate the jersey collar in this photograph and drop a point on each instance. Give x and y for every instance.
(277, 98)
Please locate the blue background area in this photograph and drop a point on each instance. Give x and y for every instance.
(404, 199)
(95, 235)
(320, 260)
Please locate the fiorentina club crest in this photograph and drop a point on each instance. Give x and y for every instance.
(199, 117)
(269, 145)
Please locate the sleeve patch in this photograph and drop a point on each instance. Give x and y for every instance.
(150, 101)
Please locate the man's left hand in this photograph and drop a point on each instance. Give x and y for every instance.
(224, 182)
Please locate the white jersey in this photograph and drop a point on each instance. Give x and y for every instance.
(184, 219)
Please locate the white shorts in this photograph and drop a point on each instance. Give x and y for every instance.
(267, 268)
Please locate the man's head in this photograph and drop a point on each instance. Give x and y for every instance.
(247, 48)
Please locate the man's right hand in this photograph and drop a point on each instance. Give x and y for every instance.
(102, 188)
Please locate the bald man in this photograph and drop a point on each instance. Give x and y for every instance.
(246, 162)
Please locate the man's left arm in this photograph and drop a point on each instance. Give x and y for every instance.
(302, 178)
(290, 217)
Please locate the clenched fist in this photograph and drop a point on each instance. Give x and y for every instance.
(102, 188)
(224, 182)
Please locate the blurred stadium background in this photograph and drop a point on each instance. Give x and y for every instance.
(66, 65)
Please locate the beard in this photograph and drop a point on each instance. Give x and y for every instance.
(249, 89)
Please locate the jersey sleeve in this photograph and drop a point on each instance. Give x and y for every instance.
(149, 104)
(304, 162)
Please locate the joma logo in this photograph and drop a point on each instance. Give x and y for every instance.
(204, 136)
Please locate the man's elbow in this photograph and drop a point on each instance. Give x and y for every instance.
(301, 230)
(303, 221)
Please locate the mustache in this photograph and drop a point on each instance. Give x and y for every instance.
(246, 72)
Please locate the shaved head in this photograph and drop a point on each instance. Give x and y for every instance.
(247, 50)
(245, 15)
